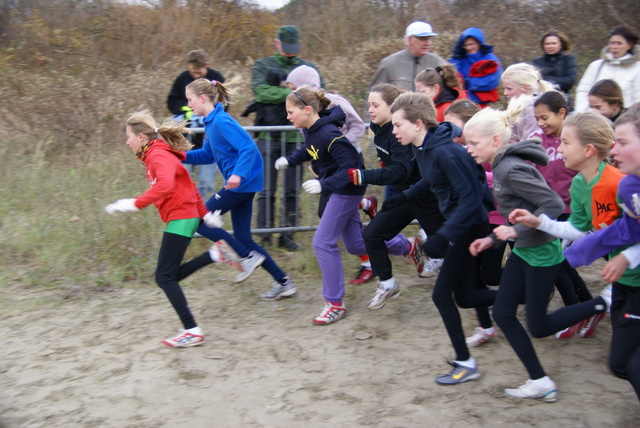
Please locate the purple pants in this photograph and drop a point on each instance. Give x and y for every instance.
(341, 219)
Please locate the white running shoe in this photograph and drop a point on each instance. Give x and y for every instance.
(249, 264)
(431, 267)
(480, 336)
(543, 389)
(184, 339)
(382, 295)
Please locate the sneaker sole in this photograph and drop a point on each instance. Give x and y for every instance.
(241, 278)
(288, 293)
(380, 306)
(549, 397)
(480, 342)
(321, 323)
(164, 342)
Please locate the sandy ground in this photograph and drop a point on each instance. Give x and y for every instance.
(77, 358)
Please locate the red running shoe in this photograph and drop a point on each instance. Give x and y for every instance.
(590, 327)
(373, 207)
(365, 274)
(571, 331)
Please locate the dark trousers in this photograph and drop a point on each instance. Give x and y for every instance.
(522, 282)
(387, 224)
(168, 271)
(624, 359)
(270, 151)
(460, 278)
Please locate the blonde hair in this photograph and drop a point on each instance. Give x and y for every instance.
(416, 107)
(171, 131)
(492, 122)
(445, 75)
(526, 75)
(305, 95)
(212, 89)
(592, 128)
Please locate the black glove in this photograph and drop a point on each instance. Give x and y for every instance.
(276, 76)
(436, 246)
(394, 201)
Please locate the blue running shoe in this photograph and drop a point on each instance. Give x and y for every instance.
(459, 374)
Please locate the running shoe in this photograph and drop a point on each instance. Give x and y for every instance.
(415, 253)
(278, 291)
(480, 336)
(382, 295)
(330, 314)
(184, 339)
(459, 374)
(373, 207)
(365, 274)
(249, 264)
(431, 267)
(571, 331)
(590, 327)
(543, 389)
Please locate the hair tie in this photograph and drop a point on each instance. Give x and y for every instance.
(438, 69)
(214, 83)
(155, 130)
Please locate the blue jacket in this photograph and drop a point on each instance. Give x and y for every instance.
(459, 184)
(331, 154)
(463, 63)
(232, 149)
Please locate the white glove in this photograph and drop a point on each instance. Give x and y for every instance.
(281, 163)
(312, 186)
(213, 219)
(122, 206)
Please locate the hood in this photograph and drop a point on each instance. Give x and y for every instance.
(304, 75)
(333, 115)
(627, 60)
(444, 133)
(162, 145)
(529, 150)
(476, 33)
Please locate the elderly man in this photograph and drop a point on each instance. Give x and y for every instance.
(402, 67)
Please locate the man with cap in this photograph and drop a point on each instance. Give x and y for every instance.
(268, 82)
(402, 67)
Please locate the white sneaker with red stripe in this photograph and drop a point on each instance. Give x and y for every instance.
(184, 339)
(330, 314)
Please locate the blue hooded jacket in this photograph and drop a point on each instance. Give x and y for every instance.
(464, 61)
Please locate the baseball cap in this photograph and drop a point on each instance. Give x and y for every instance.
(419, 29)
(289, 35)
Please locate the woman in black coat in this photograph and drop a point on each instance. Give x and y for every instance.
(556, 66)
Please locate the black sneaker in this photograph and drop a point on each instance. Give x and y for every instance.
(285, 241)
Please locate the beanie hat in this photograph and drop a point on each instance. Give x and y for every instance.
(304, 75)
(289, 35)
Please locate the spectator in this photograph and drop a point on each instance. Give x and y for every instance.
(556, 66)
(619, 61)
(402, 67)
(480, 68)
(268, 79)
(197, 68)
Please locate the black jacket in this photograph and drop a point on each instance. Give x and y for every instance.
(559, 69)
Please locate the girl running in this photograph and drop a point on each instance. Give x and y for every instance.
(331, 155)
(442, 85)
(532, 266)
(464, 199)
(179, 203)
(239, 161)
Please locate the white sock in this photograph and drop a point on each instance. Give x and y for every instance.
(490, 330)
(195, 330)
(388, 284)
(214, 253)
(366, 265)
(365, 204)
(470, 363)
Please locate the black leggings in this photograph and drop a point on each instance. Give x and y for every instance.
(460, 278)
(168, 271)
(624, 359)
(534, 283)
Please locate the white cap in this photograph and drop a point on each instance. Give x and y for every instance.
(419, 29)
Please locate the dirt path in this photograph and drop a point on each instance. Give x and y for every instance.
(72, 358)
